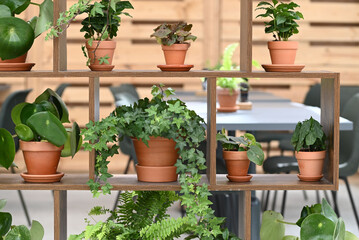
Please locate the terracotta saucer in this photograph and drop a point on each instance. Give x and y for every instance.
(175, 68)
(309, 178)
(42, 178)
(156, 174)
(228, 109)
(7, 67)
(239, 178)
(102, 67)
(283, 67)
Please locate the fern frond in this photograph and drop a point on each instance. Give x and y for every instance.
(227, 56)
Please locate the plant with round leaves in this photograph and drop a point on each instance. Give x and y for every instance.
(174, 33)
(17, 35)
(283, 18)
(247, 143)
(308, 136)
(39, 121)
(9, 232)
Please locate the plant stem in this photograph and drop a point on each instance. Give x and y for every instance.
(280, 221)
(35, 4)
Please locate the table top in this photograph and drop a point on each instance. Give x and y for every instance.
(265, 116)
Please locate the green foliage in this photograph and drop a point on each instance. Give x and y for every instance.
(103, 60)
(41, 120)
(283, 19)
(247, 142)
(17, 35)
(308, 136)
(176, 33)
(318, 221)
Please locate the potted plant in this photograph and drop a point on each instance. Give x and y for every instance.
(100, 27)
(237, 152)
(17, 35)
(318, 221)
(43, 138)
(8, 231)
(282, 25)
(308, 141)
(173, 39)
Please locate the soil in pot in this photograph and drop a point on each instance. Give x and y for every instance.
(101, 49)
(175, 54)
(310, 165)
(227, 99)
(237, 164)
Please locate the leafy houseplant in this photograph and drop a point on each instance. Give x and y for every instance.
(43, 138)
(237, 152)
(309, 144)
(173, 39)
(17, 35)
(318, 221)
(282, 25)
(100, 27)
(9, 232)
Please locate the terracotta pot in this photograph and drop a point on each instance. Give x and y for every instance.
(237, 163)
(175, 54)
(310, 163)
(41, 158)
(156, 174)
(283, 52)
(227, 98)
(103, 48)
(20, 59)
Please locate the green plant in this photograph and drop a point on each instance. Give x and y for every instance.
(159, 118)
(17, 35)
(318, 221)
(39, 121)
(308, 136)
(283, 19)
(247, 142)
(176, 33)
(8, 232)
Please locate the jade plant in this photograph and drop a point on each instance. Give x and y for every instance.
(17, 35)
(10, 232)
(247, 142)
(176, 33)
(318, 221)
(309, 136)
(283, 18)
(40, 121)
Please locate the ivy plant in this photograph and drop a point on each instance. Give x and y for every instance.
(170, 119)
(283, 18)
(247, 142)
(175, 33)
(318, 221)
(10, 232)
(309, 136)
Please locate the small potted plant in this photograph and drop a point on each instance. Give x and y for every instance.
(17, 35)
(282, 25)
(237, 152)
(309, 144)
(100, 28)
(43, 138)
(173, 39)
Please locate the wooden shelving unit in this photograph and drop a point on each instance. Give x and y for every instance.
(329, 119)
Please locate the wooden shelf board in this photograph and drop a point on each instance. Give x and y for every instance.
(157, 73)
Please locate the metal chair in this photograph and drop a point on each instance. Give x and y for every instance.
(61, 88)
(6, 122)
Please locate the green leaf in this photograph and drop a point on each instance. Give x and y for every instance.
(23, 7)
(290, 237)
(339, 232)
(328, 211)
(13, 4)
(36, 231)
(317, 226)
(50, 107)
(24, 132)
(19, 233)
(2, 203)
(32, 22)
(280, 19)
(45, 17)
(271, 229)
(5, 223)
(76, 139)
(30, 110)
(7, 148)
(350, 236)
(5, 11)
(256, 155)
(16, 112)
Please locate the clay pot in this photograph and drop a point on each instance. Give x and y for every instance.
(227, 98)
(98, 50)
(20, 59)
(310, 164)
(283, 52)
(156, 174)
(41, 158)
(175, 54)
(237, 163)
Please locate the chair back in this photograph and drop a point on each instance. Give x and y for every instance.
(5, 112)
(312, 98)
(61, 88)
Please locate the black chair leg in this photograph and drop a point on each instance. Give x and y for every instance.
(23, 204)
(305, 195)
(116, 201)
(283, 202)
(262, 199)
(326, 196)
(268, 149)
(274, 200)
(128, 165)
(265, 207)
(335, 203)
(351, 199)
(317, 196)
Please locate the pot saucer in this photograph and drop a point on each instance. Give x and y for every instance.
(13, 67)
(239, 178)
(42, 178)
(102, 67)
(228, 109)
(309, 178)
(283, 67)
(175, 68)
